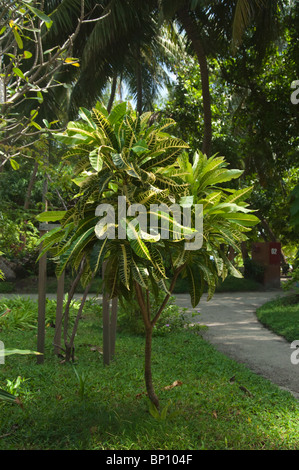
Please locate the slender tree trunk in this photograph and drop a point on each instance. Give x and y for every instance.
(144, 304)
(69, 346)
(112, 93)
(30, 186)
(244, 251)
(148, 367)
(68, 349)
(119, 89)
(139, 82)
(192, 32)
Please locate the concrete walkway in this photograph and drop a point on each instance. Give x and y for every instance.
(235, 331)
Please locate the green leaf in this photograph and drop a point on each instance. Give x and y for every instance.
(40, 97)
(85, 114)
(10, 352)
(117, 113)
(15, 165)
(18, 72)
(17, 37)
(50, 216)
(6, 396)
(246, 220)
(27, 54)
(74, 249)
(67, 140)
(239, 195)
(153, 410)
(140, 147)
(158, 260)
(140, 273)
(97, 255)
(120, 161)
(104, 124)
(41, 15)
(137, 243)
(195, 284)
(125, 265)
(96, 160)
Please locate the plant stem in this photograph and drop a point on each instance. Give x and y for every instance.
(148, 368)
(67, 308)
(149, 325)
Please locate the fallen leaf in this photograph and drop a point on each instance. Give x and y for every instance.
(245, 390)
(176, 383)
(18, 402)
(215, 414)
(96, 348)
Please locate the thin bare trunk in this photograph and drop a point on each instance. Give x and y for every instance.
(139, 82)
(148, 346)
(144, 304)
(69, 346)
(30, 186)
(67, 310)
(112, 93)
(192, 32)
(148, 368)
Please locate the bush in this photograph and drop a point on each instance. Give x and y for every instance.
(172, 318)
(18, 241)
(21, 313)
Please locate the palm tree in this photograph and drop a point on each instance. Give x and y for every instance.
(128, 44)
(210, 27)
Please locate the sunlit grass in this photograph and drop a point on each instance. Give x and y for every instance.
(282, 316)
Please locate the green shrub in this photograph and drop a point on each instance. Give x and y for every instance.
(172, 318)
(21, 313)
(7, 287)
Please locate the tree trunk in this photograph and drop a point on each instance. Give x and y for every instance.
(244, 251)
(139, 82)
(30, 186)
(192, 32)
(68, 348)
(148, 345)
(149, 324)
(148, 368)
(112, 93)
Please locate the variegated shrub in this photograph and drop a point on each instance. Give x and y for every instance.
(127, 155)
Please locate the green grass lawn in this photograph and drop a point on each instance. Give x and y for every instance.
(282, 316)
(96, 407)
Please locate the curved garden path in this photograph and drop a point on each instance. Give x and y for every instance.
(235, 331)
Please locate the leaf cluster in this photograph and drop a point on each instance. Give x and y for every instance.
(122, 154)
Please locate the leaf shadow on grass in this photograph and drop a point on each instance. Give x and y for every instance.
(87, 425)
